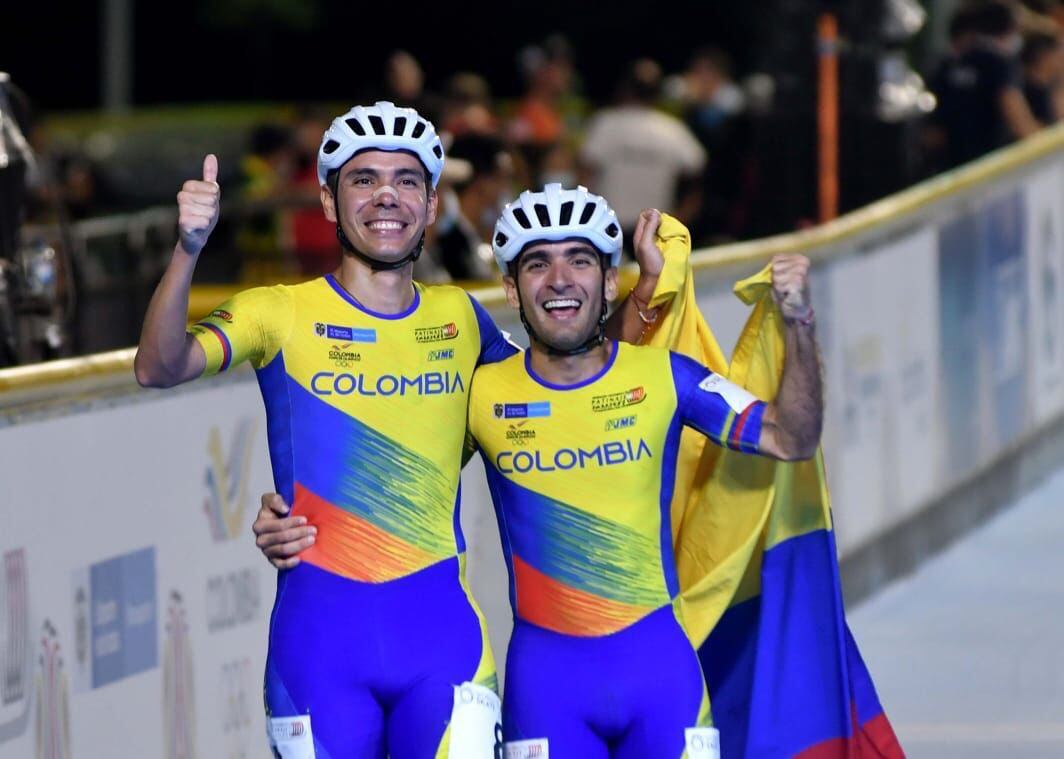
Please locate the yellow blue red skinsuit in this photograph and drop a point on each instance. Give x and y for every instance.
(581, 477)
(366, 423)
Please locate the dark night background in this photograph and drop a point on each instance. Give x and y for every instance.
(285, 50)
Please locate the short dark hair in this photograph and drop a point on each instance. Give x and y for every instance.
(484, 153)
(267, 139)
(995, 19)
(962, 23)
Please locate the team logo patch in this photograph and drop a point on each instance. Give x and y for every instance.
(341, 355)
(620, 423)
(225, 316)
(517, 434)
(436, 334)
(615, 401)
(441, 355)
(346, 334)
(522, 410)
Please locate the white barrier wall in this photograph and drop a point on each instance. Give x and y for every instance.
(134, 605)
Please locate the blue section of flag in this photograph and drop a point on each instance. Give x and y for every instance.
(783, 671)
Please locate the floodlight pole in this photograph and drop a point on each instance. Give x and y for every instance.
(116, 46)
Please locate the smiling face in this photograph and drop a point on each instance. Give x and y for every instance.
(560, 286)
(384, 203)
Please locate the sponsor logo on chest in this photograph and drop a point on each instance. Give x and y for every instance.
(522, 410)
(614, 401)
(447, 331)
(345, 334)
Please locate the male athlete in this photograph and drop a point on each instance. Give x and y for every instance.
(579, 437)
(375, 645)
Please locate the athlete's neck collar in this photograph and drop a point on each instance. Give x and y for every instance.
(569, 372)
(384, 295)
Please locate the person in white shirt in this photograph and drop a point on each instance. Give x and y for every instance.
(640, 157)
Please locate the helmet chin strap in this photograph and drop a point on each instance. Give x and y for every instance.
(374, 263)
(594, 341)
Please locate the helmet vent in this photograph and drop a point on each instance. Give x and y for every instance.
(399, 127)
(542, 214)
(501, 239)
(419, 129)
(438, 151)
(522, 218)
(330, 147)
(612, 230)
(566, 214)
(377, 123)
(585, 215)
(356, 127)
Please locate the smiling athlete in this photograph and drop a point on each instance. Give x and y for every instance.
(353, 367)
(579, 437)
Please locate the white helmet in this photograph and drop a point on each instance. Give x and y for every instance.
(553, 215)
(381, 126)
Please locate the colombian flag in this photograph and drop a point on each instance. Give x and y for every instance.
(755, 550)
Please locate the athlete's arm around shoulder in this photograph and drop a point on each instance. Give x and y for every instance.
(168, 355)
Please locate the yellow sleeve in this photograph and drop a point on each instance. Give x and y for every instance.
(250, 326)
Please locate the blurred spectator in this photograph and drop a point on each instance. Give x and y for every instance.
(547, 114)
(714, 111)
(79, 186)
(404, 84)
(962, 31)
(266, 176)
(471, 206)
(639, 157)
(981, 103)
(467, 106)
(1043, 74)
(313, 236)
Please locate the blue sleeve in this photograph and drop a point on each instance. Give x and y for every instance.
(495, 345)
(715, 406)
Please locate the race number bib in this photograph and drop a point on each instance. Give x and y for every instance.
(291, 737)
(534, 749)
(702, 743)
(476, 723)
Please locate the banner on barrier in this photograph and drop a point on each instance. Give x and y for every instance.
(131, 592)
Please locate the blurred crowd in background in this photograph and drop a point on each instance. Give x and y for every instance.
(711, 144)
(679, 140)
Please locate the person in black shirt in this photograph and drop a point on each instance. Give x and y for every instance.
(1043, 71)
(981, 105)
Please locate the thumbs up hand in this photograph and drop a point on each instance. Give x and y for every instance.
(198, 205)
